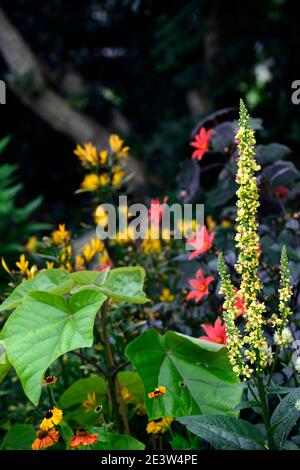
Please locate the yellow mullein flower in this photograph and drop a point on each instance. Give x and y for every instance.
(61, 235)
(115, 143)
(31, 244)
(166, 296)
(87, 154)
(159, 426)
(51, 418)
(101, 217)
(90, 182)
(22, 264)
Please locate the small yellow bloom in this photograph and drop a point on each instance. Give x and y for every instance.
(51, 418)
(30, 273)
(115, 143)
(97, 245)
(103, 179)
(90, 403)
(49, 264)
(166, 296)
(118, 176)
(211, 223)
(159, 426)
(87, 154)
(61, 235)
(104, 259)
(103, 155)
(79, 262)
(126, 395)
(31, 244)
(88, 253)
(91, 182)
(101, 217)
(226, 223)
(22, 264)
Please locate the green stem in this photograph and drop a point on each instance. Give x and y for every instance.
(265, 412)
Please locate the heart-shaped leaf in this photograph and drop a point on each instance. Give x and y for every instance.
(19, 437)
(197, 375)
(126, 284)
(52, 280)
(225, 432)
(44, 327)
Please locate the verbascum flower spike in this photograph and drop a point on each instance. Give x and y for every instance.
(253, 342)
(285, 294)
(230, 312)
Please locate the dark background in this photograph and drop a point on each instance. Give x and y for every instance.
(149, 70)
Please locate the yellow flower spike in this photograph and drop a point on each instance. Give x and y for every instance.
(22, 264)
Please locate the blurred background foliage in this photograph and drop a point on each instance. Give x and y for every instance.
(150, 71)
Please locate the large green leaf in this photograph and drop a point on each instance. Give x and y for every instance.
(111, 441)
(78, 391)
(197, 375)
(90, 279)
(51, 280)
(285, 417)
(19, 437)
(126, 284)
(225, 432)
(44, 327)
(134, 385)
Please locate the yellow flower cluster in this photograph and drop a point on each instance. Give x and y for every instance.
(107, 167)
(88, 253)
(61, 238)
(23, 266)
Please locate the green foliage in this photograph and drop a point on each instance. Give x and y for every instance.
(285, 417)
(196, 373)
(44, 327)
(19, 437)
(225, 432)
(79, 389)
(112, 441)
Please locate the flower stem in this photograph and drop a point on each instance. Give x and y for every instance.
(265, 412)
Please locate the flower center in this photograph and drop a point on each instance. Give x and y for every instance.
(202, 287)
(48, 415)
(41, 434)
(219, 340)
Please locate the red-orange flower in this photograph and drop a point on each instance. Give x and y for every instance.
(201, 143)
(240, 303)
(45, 439)
(200, 286)
(215, 333)
(202, 242)
(83, 438)
(156, 210)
